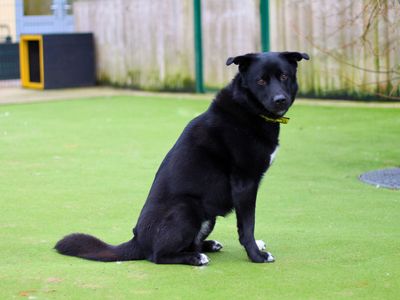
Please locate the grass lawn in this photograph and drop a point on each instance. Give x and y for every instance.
(87, 165)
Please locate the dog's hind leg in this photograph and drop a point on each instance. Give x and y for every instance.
(176, 232)
(209, 245)
(187, 258)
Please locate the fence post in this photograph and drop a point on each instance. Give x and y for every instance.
(198, 47)
(264, 23)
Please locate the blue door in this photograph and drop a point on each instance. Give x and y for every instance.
(44, 16)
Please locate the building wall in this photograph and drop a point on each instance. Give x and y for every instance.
(7, 17)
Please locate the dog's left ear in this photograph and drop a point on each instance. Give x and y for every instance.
(242, 60)
(294, 57)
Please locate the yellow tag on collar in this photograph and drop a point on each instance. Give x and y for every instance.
(282, 120)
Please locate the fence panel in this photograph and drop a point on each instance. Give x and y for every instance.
(354, 45)
(140, 43)
(230, 28)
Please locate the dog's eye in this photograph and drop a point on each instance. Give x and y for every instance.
(261, 82)
(283, 77)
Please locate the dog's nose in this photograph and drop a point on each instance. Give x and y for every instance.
(279, 99)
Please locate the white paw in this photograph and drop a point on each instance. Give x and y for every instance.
(261, 245)
(270, 258)
(216, 246)
(204, 259)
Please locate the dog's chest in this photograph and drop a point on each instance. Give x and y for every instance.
(273, 155)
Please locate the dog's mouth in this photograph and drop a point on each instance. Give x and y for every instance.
(275, 112)
(281, 113)
(270, 108)
(279, 104)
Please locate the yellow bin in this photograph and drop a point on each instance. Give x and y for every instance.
(31, 61)
(50, 61)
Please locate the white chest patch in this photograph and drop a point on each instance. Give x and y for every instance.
(272, 156)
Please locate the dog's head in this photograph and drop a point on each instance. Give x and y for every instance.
(270, 78)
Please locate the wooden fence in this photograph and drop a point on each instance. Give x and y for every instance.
(141, 43)
(354, 45)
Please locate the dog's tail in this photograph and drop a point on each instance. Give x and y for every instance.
(90, 247)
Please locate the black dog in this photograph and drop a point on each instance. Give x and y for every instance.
(215, 167)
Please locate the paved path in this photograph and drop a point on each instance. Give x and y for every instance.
(10, 94)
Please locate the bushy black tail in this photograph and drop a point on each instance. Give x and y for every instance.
(90, 247)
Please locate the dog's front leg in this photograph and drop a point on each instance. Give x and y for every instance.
(244, 193)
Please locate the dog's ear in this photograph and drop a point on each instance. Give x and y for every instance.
(242, 60)
(294, 57)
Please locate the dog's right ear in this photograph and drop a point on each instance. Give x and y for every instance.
(242, 60)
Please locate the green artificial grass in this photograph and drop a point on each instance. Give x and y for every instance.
(87, 166)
